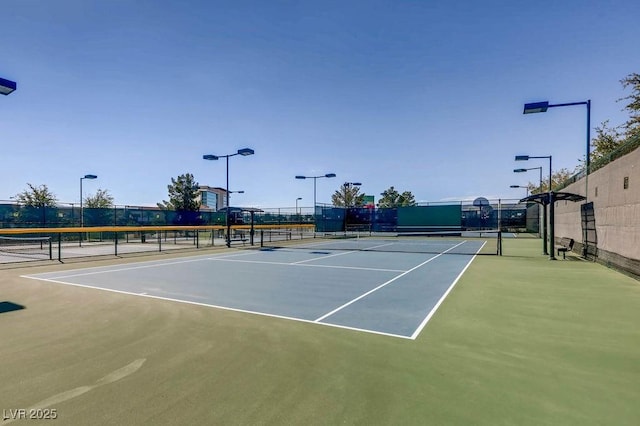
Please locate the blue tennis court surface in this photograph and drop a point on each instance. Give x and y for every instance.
(331, 283)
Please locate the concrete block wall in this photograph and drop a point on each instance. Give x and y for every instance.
(617, 212)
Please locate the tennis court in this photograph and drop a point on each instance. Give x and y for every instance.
(382, 286)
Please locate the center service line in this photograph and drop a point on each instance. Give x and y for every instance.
(339, 254)
(385, 283)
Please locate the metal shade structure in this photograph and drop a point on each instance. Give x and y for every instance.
(7, 86)
(251, 210)
(557, 196)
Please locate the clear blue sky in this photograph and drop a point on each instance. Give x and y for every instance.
(426, 96)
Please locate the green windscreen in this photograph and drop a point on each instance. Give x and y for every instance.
(429, 218)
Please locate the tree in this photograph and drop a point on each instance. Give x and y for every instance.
(36, 196)
(348, 196)
(557, 179)
(183, 192)
(101, 200)
(607, 140)
(34, 202)
(97, 209)
(392, 198)
(632, 126)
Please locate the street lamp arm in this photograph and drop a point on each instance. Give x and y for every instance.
(569, 104)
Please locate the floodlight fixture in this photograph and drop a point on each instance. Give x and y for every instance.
(246, 151)
(522, 158)
(7, 86)
(535, 107)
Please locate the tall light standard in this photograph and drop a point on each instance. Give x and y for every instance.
(297, 199)
(520, 186)
(81, 207)
(544, 206)
(551, 206)
(244, 152)
(233, 192)
(315, 178)
(7, 86)
(536, 107)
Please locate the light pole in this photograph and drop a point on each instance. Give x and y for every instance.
(244, 152)
(551, 207)
(315, 178)
(298, 199)
(7, 86)
(234, 192)
(520, 186)
(544, 206)
(536, 107)
(81, 206)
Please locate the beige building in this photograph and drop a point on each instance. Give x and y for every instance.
(212, 198)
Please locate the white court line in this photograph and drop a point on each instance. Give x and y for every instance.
(321, 257)
(226, 308)
(224, 257)
(339, 308)
(141, 265)
(340, 254)
(444, 296)
(361, 268)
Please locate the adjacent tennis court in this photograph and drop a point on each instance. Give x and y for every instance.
(389, 287)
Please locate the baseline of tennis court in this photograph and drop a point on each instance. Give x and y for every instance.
(380, 292)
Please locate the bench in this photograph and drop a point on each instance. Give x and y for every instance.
(566, 244)
(239, 236)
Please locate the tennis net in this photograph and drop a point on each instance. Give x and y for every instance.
(39, 247)
(481, 242)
